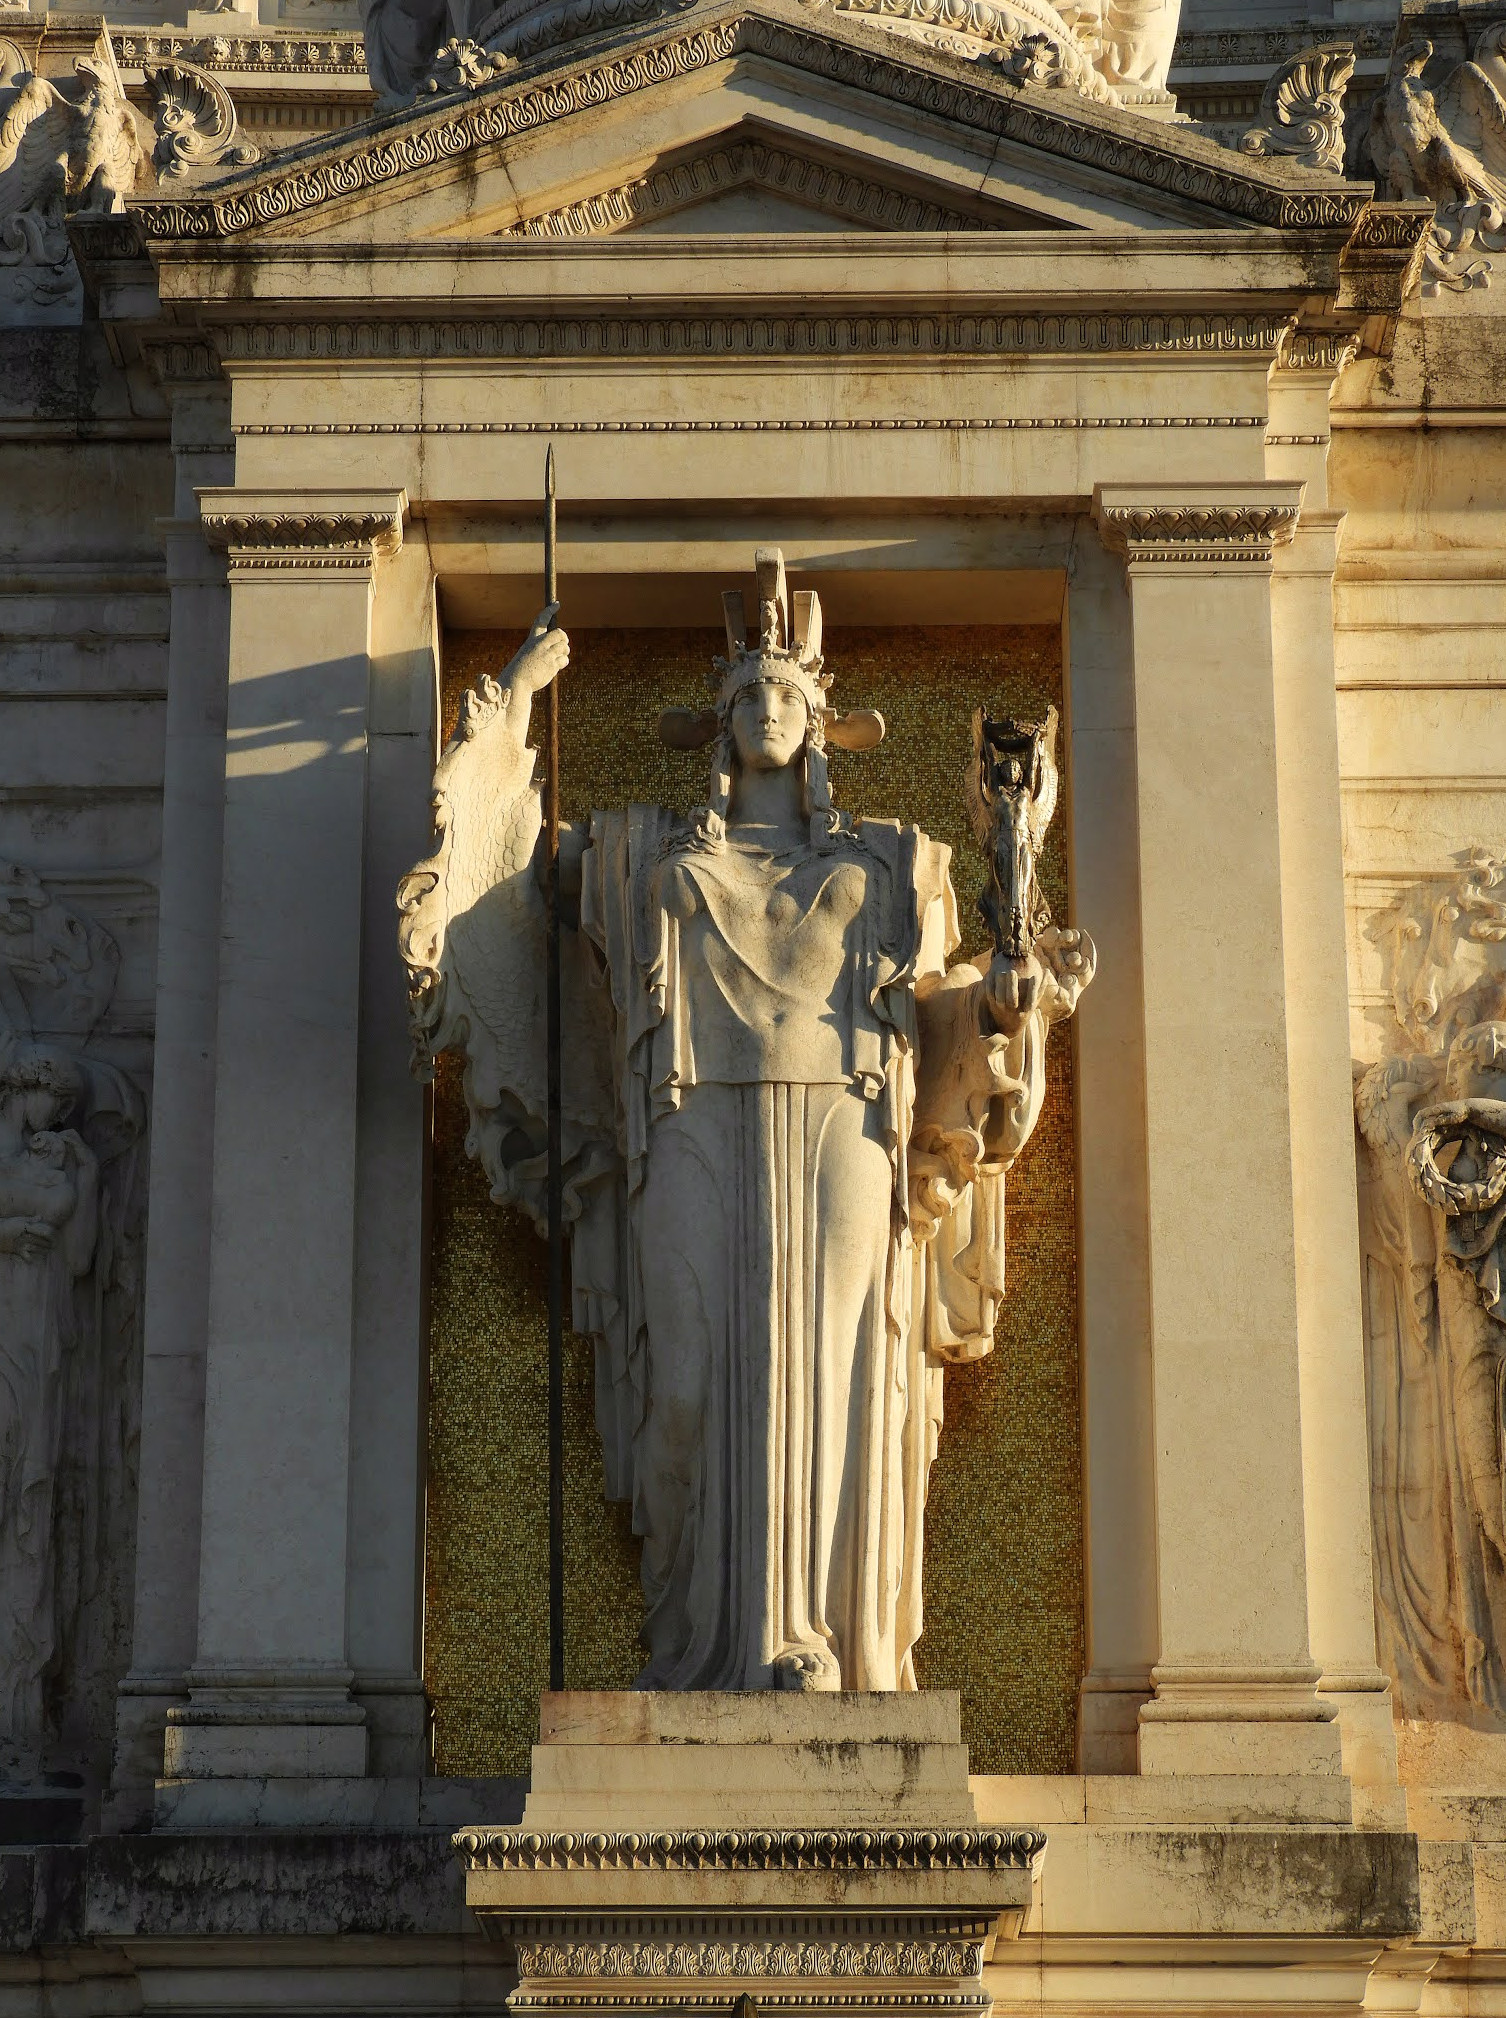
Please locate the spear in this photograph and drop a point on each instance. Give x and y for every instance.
(553, 1049)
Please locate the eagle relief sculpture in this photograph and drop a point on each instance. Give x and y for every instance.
(787, 1129)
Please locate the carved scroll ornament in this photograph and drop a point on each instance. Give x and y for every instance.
(1432, 1118)
(1302, 109)
(196, 122)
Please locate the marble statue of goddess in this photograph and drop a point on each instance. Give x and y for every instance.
(787, 1128)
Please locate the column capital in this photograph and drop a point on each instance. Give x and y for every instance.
(1185, 524)
(345, 531)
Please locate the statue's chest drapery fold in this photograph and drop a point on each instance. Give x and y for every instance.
(735, 966)
(770, 958)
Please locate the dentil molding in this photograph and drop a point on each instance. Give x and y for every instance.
(700, 1850)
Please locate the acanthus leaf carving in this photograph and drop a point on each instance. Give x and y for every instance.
(1192, 532)
(1302, 109)
(463, 65)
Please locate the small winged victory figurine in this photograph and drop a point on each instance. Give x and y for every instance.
(787, 1130)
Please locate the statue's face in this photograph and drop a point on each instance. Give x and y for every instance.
(769, 721)
(36, 1108)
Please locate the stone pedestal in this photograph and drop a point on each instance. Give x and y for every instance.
(681, 1851)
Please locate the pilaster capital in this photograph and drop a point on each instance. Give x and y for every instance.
(266, 531)
(1157, 524)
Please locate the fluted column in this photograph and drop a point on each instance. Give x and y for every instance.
(1235, 1683)
(270, 1686)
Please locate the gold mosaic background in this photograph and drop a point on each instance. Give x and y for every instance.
(1004, 1597)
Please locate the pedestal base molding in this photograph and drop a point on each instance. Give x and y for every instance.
(1238, 1720)
(831, 1921)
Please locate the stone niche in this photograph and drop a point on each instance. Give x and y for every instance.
(1003, 1573)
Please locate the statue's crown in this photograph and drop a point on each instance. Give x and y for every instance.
(786, 647)
(778, 650)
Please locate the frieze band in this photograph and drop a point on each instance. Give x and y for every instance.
(698, 335)
(511, 1849)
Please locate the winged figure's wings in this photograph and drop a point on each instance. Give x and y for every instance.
(472, 919)
(1483, 110)
(471, 933)
(36, 132)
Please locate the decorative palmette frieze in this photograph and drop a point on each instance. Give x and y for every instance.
(1183, 533)
(1203, 48)
(516, 1849)
(793, 335)
(919, 1958)
(275, 51)
(1036, 119)
(751, 163)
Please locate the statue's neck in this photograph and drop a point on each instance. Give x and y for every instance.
(768, 806)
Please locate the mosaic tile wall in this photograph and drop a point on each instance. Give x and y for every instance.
(1004, 1581)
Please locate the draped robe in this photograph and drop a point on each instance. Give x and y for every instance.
(786, 1129)
(779, 1366)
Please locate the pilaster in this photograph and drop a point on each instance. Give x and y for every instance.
(1114, 1288)
(176, 1309)
(1330, 1323)
(270, 1685)
(1235, 1682)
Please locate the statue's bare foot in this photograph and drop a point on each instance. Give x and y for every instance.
(807, 1669)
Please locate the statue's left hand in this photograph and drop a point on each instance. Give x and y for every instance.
(1012, 991)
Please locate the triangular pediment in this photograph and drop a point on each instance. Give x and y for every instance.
(752, 116)
(749, 180)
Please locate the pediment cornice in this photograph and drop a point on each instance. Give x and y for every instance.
(1181, 172)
